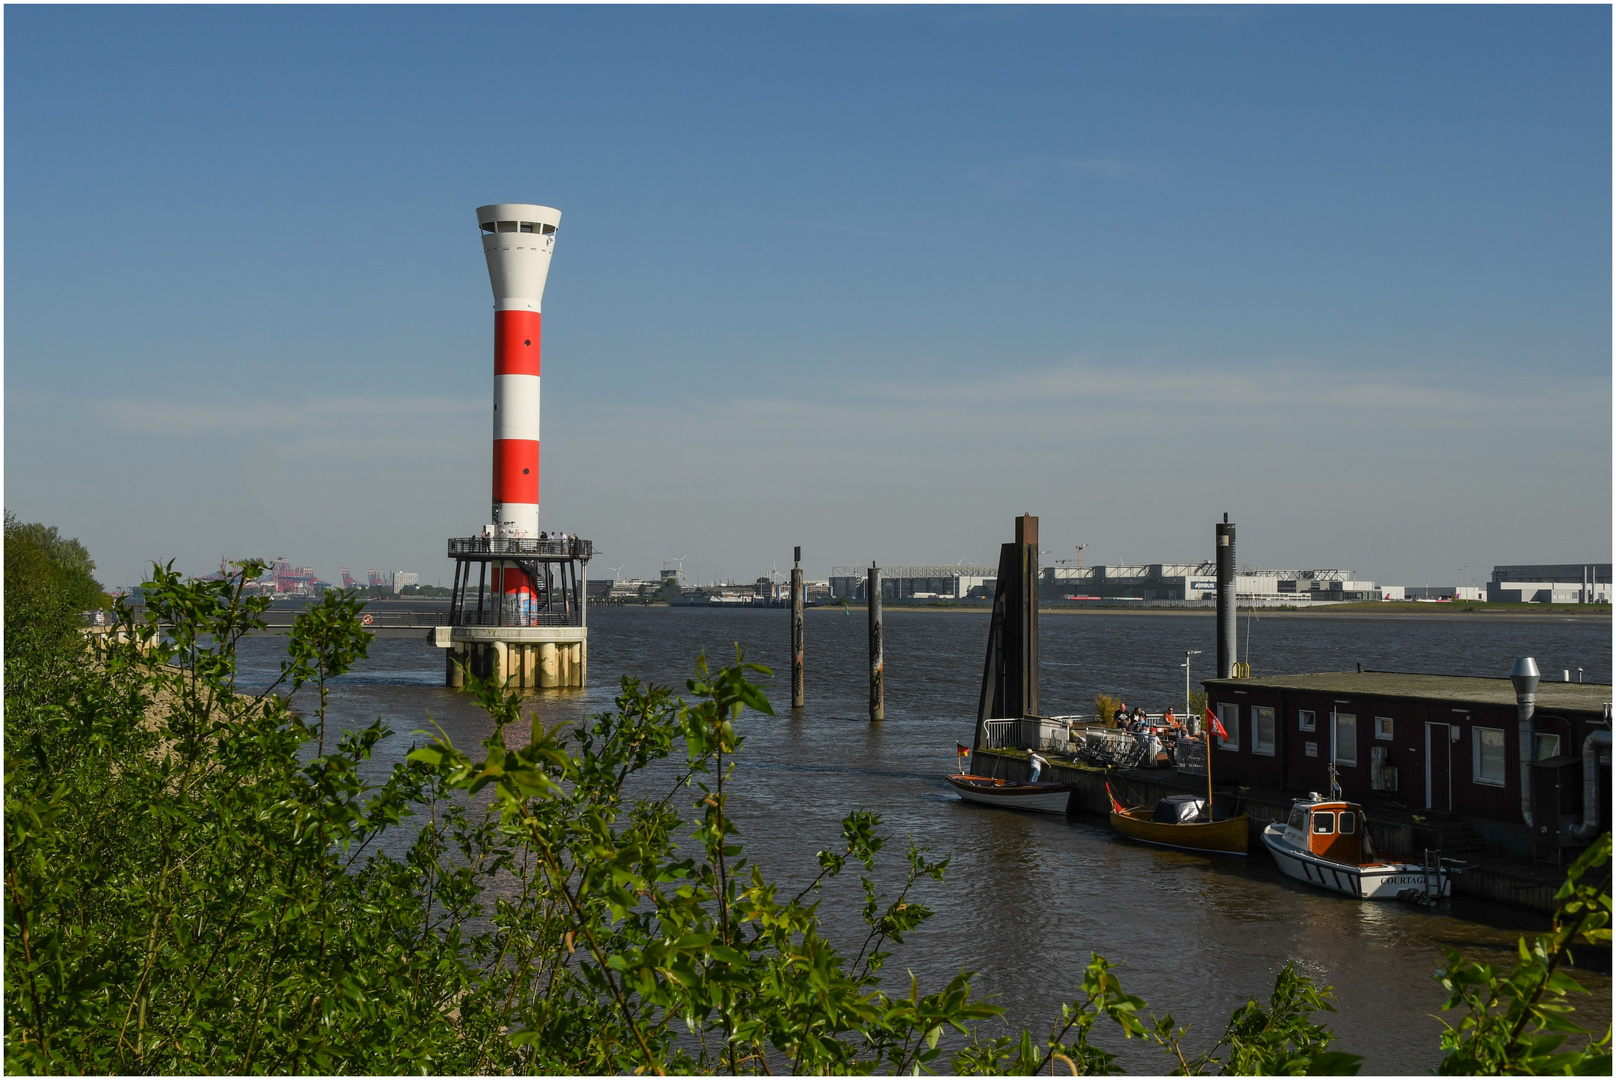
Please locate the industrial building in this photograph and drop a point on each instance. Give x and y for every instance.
(916, 582)
(1180, 582)
(1198, 581)
(1554, 583)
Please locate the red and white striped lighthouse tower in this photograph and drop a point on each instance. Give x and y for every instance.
(518, 608)
(518, 240)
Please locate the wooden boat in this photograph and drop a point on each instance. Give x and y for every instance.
(1326, 843)
(1182, 822)
(1185, 822)
(1012, 795)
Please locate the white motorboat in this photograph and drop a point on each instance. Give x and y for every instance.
(1326, 843)
(1012, 795)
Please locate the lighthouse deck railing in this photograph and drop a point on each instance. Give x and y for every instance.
(494, 547)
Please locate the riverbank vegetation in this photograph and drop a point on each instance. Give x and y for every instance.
(198, 880)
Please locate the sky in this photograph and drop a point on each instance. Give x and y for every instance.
(872, 281)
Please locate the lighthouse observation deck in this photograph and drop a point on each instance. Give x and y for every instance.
(518, 582)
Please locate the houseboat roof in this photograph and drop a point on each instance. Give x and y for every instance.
(1454, 689)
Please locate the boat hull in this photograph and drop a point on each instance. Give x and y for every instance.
(1007, 795)
(1372, 881)
(1209, 837)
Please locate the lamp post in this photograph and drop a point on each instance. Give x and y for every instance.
(1187, 654)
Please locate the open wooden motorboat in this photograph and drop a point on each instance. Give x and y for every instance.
(1326, 843)
(1011, 794)
(1182, 822)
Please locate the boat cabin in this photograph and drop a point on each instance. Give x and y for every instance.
(1332, 830)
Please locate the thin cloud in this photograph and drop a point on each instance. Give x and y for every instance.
(1278, 393)
(189, 417)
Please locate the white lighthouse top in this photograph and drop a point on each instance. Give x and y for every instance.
(518, 240)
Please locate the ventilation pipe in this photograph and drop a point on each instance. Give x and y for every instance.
(1226, 597)
(1588, 827)
(1525, 677)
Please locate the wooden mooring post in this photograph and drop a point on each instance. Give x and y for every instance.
(872, 593)
(796, 629)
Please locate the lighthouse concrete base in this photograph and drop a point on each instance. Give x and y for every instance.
(519, 657)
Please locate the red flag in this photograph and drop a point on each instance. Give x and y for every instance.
(1116, 807)
(1213, 725)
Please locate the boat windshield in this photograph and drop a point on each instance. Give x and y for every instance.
(1323, 821)
(1349, 822)
(1298, 819)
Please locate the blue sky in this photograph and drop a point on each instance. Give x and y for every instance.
(868, 280)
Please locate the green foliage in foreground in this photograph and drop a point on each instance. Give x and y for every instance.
(196, 882)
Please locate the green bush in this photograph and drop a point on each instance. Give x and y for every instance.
(195, 883)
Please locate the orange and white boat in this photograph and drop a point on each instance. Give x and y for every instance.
(1326, 843)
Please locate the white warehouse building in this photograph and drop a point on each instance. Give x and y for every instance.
(1553, 583)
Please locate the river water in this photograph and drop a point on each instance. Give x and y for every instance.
(1028, 897)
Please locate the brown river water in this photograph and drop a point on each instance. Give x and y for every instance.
(1028, 897)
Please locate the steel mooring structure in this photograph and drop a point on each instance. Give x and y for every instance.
(1010, 674)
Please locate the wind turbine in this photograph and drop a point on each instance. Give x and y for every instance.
(616, 570)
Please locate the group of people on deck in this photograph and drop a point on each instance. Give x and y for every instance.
(1137, 722)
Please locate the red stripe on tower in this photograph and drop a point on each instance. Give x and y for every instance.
(516, 470)
(516, 343)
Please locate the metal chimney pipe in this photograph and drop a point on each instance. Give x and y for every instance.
(1588, 828)
(1525, 677)
(1226, 598)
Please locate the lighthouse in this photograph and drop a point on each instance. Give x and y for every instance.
(518, 242)
(518, 609)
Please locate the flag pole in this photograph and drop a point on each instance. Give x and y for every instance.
(1208, 728)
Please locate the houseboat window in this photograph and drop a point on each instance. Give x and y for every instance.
(1304, 720)
(548, 229)
(1487, 756)
(488, 226)
(1346, 739)
(507, 226)
(1548, 745)
(1298, 819)
(1383, 727)
(1262, 730)
(1323, 821)
(1349, 822)
(1229, 717)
